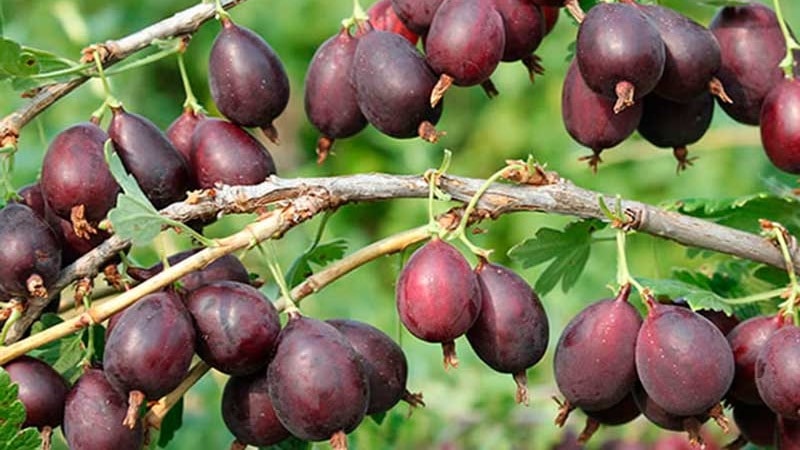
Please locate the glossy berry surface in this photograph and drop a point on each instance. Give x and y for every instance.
(752, 46)
(594, 359)
(248, 413)
(416, 14)
(384, 363)
(30, 256)
(465, 41)
(393, 84)
(780, 126)
(41, 389)
(777, 372)
(148, 155)
(94, 413)
(317, 381)
(225, 153)
(74, 172)
(679, 373)
(247, 79)
(382, 16)
(181, 130)
(237, 326)
(619, 52)
(746, 341)
(662, 418)
(151, 346)
(523, 25)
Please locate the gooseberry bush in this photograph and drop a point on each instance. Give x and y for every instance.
(143, 258)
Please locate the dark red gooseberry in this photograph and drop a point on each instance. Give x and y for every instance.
(248, 413)
(317, 382)
(594, 359)
(384, 362)
(237, 326)
(416, 14)
(550, 14)
(150, 348)
(756, 423)
(30, 256)
(331, 103)
(225, 268)
(746, 341)
(438, 296)
(464, 44)
(780, 125)
(393, 86)
(620, 413)
(181, 130)
(752, 46)
(148, 155)
(224, 153)
(777, 372)
(589, 117)
(31, 196)
(382, 16)
(662, 418)
(75, 173)
(41, 390)
(94, 413)
(512, 331)
(620, 53)
(682, 376)
(247, 79)
(787, 434)
(524, 27)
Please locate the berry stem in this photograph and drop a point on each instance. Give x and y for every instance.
(222, 15)
(787, 64)
(191, 102)
(110, 101)
(434, 192)
(149, 59)
(358, 17)
(79, 69)
(275, 269)
(460, 232)
(760, 297)
(623, 272)
(779, 233)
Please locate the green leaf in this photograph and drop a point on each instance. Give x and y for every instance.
(695, 296)
(569, 251)
(12, 415)
(320, 255)
(744, 212)
(135, 220)
(15, 61)
(171, 423)
(291, 443)
(125, 180)
(66, 354)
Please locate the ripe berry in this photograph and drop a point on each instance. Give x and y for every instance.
(247, 79)
(662, 418)
(94, 413)
(623, 61)
(237, 326)
(752, 46)
(780, 125)
(511, 332)
(756, 423)
(225, 268)
(620, 413)
(524, 28)
(589, 117)
(382, 16)
(416, 14)
(248, 413)
(148, 155)
(594, 359)
(30, 256)
(384, 362)
(464, 44)
(224, 153)
(746, 341)
(41, 390)
(438, 297)
(330, 98)
(777, 372)
(683, 361)
(787, 435)
(317, 383)
(181, 130)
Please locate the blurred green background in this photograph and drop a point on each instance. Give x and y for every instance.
(471, 407)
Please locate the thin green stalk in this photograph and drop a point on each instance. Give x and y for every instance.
(460, 232)
(16, 313)
(760, 297)
(110, 101)
(789, 305)
(149, 59)
(191, 101)
(80, 69)
(222, 15)
(433, 177)
(787, 64)
(275, 269)
(623, 272)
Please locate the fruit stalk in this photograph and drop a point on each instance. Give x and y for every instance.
(787, 64)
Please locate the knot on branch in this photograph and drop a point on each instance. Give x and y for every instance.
(104, 51)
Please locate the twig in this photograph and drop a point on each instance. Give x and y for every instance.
(561, 197)
(183, 22)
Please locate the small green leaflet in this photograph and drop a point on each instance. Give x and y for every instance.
(569, 250)
(134, 218)
(744, 212)
(698, 298)
(291, 443)
(320, 255)
(172, 421)
(65, 354)
(12, 414)
(16, 62)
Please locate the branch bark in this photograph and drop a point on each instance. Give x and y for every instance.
(561, 197)
(181, 23)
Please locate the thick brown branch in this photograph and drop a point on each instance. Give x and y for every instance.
(184, 22)
(561, 197)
